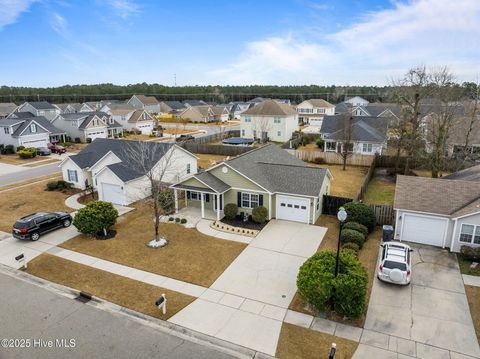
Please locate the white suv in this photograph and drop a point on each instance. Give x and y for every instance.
(395, 263)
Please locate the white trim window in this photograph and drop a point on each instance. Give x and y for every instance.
(188, 168)
(367, 148)
(195, 196)
(248, 119)
(331, 146)
(277, 120)
(72, 176)
(249, 200)
(279, 133)
(6, 130)
(33, 128)
(469, 233)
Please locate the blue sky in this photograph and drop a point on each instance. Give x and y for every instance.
(343, 42)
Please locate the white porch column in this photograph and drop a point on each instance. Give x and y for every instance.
(218, 206)
(314, 209)
(175, 195)
(185, 196)
(269, 206)
(202, 197)
(308, 209)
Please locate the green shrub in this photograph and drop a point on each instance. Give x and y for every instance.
(19, 148)
(352, 236)
(27, 153)
(361, 213)
(357, 227)
(316, 283)
(58, 185)
(320, 143)
(183, 221)
(259, 214)
(77, 140)
(9, 149)
(230, 210)
(351, 247)
(66, 144)
(171, 219)
(177, 220)
(96, 217)
(470, 253)
(52, 186)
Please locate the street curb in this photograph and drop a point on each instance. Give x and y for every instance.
(220, 345)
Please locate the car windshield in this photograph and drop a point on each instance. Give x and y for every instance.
(395, 265)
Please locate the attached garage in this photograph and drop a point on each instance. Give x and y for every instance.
(292, 208)
(146, 129)
(35, 143)
(112, 193)
(98, 134)
(424, 229)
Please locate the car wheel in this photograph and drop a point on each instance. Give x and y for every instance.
(35, 236)
(67, 223)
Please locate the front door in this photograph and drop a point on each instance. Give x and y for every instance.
(221, 202)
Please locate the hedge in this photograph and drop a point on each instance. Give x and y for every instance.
(361, 213)
(230, 210)
(357, 227)
(351, 247)
(58, 185)
(352, 236)
(470, 253)
(27, 153)
(259, 214)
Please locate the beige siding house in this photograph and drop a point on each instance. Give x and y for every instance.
(202, 113)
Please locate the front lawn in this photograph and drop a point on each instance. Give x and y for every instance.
(465, 266)
(114, 288)
(15, 159)
(368, 257)
(380, 190)
(16, 203)
(473, 297)
(345, 183)
(302, 343)
(190, 255)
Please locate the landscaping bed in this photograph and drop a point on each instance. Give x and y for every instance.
(465, 266)
(240, 223)
(87, 198)
(190, 256)
(117, 289)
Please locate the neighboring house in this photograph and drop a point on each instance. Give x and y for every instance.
(202, 113)
(439, 212)
(40, 108)
(367, 135)
(190, 103)
(377, 109)
(266, 176)
(356, 101)
(468, 174)
(88, 125)
(140, 120)
(147, 103)
(220, 113)
(171, 107)
(89, 107)
(68, 107)
(236, 108)
(109, 167)
(6, 109)
(342, 107)
(314, 110)
(34, 131)
(269, 120)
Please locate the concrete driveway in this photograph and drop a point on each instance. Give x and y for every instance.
(430, 318)
(247, 304)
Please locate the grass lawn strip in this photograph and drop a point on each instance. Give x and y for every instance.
(120, 290)
(380, 190)
(345, 183)
(473, 297)
(190, 255)
(298, 342)
(368, 257)
(30, 199)
(41, 163)
(14, 159)
(465, 266)
(31, 181)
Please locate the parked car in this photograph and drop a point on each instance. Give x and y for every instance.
(183, 138)
(34, 225)
(43, 151)
(395, 264)
(57, 148)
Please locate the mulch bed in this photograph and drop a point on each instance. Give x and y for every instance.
(239, 222)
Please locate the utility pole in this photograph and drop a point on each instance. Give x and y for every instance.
(175, 79)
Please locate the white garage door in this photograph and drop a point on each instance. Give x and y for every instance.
(94, 135)
(35, 144)
(292, 208)
(425, 230)
(145, 129)
(112, 193)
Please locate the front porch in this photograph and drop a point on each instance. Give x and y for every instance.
(199, 202)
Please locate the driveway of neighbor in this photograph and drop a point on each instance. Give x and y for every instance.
(428, 319)
(248, 302)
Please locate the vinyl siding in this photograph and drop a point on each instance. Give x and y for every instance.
(194, 182)
(475, 220)
(234, 179)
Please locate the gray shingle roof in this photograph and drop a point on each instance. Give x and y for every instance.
(468, 174)
(25, 122)
(124, 172)
(42, 105)
(174, 105)
(271, 108)
(7, 108)
(212, 181)
(364, 128)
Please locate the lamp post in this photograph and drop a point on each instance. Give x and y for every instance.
(342, 216)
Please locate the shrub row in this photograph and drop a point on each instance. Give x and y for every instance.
(58, 185)
(27, 152)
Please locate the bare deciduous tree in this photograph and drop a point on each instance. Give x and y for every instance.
(262, 125)
(472, 118)
(346, 125)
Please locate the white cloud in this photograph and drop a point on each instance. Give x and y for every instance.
(59, 24)
(124, 8)
(381, 45)
(10, 10)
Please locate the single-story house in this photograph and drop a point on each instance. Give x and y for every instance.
(266, 176)
(436, 211)
(114, 169)
(367, 135)
(201, 113)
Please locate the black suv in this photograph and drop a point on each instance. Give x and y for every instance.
(36, 224)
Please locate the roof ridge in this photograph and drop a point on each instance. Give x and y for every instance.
(471, 183)
(465, 205)
(252, 150)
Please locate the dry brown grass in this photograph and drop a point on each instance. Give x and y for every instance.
(190, 255)
(312, 146)
(178, 131)
(205, 161)
(117, 289)
(139, 137)
(30, 199)
(367, 256)
(473, 297)
(301, 343)
(345, 183)
(36, 164)
(428, 173)
(30, 181)
(16, 160)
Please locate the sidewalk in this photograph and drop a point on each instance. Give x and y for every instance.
(72, 202)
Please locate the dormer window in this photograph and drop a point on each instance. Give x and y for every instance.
(33, 128)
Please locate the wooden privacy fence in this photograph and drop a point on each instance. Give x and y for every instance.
(215, 137)
(331, 204)
(215, 149)
(384, 214)
(366, 181)
(332, 157)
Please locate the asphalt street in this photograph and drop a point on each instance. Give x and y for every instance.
(28, 173)
(78, 330)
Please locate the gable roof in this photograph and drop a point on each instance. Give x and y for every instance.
(436, 195)
(271, 108)
(194, 102)
(219, 110)
(318, 102)
(375, 109)
(7, 108)
(41, 105)
(137, 116)
(468, 174)
(25, 122)
(371, 129)
(211, 181)
(147, 100)
(174, 105)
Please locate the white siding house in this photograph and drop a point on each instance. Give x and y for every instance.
(314, 110)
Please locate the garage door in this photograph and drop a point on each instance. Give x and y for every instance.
(145, 129)
(35, 144)
(94, 135)
(425, 230)
(112, 193)
(292, 208)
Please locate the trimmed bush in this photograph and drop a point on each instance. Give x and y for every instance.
(230, 210)
(320, 143)
(259, 214)
(361, 213)
(352, 236)
(470, 253)
(77, 140)
(66, 144)
(52, 186)
(351, 247)
(166, 201)
(27, 153)
(89, 140)
(58, 185)
(171, 219)
(183, 221)
(177, 220)
(357, 227)
(316, 283)
(96, 217)
(9, 149)
(19, 148)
